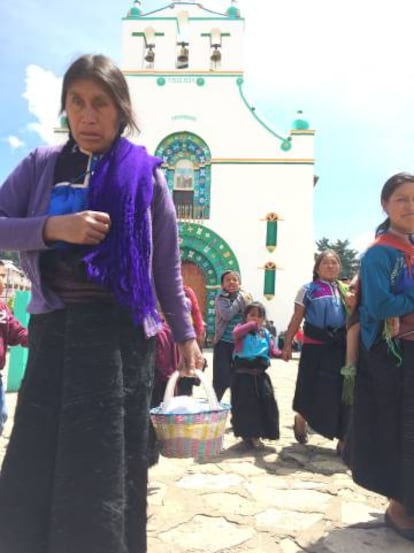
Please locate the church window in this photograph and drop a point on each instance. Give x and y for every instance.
(187, 165)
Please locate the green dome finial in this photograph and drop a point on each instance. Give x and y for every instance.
(233, 11)
(135, 10)
(300, 123)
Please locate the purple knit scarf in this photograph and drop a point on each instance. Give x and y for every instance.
(122, 186)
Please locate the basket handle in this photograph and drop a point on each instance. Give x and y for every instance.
(210, 393)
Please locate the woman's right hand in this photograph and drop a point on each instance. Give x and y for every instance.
(84, 227)
(287, 352)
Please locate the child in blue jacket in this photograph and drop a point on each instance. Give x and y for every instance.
(255, 412)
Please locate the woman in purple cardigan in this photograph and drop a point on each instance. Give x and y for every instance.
(96, 229)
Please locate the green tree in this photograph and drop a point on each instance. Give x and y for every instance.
(348, 256)
(12, 256)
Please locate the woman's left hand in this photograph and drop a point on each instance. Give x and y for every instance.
(190, 357)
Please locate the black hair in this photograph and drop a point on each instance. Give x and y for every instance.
(320, 257)
(255, 305)
(391, 185)
(105, 73)
(227, 272)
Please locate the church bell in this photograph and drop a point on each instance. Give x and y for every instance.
(216, 55)
(150, 55)
(182, 57)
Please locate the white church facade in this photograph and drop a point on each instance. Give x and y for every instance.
(243, 193)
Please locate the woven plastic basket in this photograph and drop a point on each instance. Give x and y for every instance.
(198, 435)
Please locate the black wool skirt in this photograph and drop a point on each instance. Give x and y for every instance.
(318, 392)
(254, 409)
(74, 478)
(380, 445)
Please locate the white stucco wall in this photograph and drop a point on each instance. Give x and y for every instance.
(258, 177)
(251, 175)
(248, 193)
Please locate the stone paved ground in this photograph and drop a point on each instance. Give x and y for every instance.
(287, 499)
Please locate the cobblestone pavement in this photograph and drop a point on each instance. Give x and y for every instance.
(288, 498)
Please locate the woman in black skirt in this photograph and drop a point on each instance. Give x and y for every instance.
(380, 448)
(96, 228)
(318, 394)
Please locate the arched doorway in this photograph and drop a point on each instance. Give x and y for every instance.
(194, 277)
(204, 256)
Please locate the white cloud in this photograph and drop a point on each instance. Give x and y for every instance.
(14, 142)
(42, 93)
(355, 56)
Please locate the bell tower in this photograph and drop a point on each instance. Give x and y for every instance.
(183, 36)
(234, 180)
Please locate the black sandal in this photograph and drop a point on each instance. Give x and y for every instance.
(301, 437)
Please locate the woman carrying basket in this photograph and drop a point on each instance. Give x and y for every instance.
(96, 229)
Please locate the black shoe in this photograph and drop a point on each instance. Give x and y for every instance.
(257, 444)
(248, 444)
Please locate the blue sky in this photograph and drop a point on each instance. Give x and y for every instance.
(347, 65)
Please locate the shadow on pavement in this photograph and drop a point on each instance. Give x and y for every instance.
(370, 536)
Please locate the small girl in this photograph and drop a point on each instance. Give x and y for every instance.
(230, 304)
(255, 413)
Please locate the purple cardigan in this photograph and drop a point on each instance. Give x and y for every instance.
(24, 201)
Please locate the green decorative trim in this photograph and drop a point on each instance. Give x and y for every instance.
(201, 81)
(263, 162)
(180, 74)
(143, 34)
(149, 18)
(300, 125)
(209, 34)
(161, 81)
(185, 145)
(233, 12)
(271, 235)
(212, 255)
(184, 117)
(269, 285)
(286, 144)
(239, 83)
(224, 18)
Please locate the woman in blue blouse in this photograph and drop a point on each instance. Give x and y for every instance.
(318, 393)
(381, 444)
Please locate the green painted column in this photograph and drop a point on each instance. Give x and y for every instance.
(18, 354)
(269, 280)
(271, 235)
